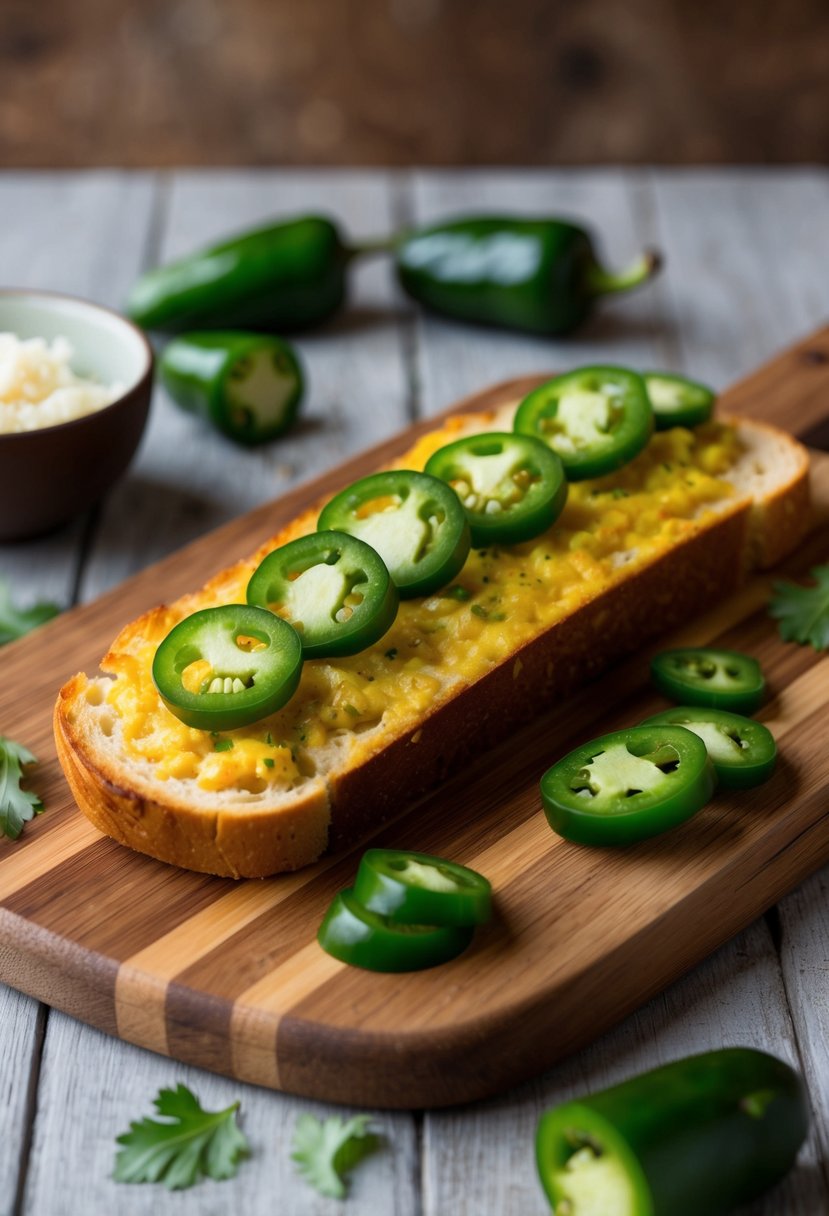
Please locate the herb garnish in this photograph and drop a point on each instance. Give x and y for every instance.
(803, 612)
(16, 622)
(17, 806)
(325, 1151)
(485, 614)
(195, 1143)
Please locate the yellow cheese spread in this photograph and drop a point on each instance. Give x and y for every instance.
(509, 596)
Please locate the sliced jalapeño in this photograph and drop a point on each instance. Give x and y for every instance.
(249, 386)
(595, 418)
(416, 888)
(742, 751)
(226, 667)
(512, 486)
(333, 588)
(353, 934)
(628, 785)
(678, 401)
(414, 521)
(702, 1135)
(719, 679)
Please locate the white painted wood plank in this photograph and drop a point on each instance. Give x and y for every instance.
(456, 359)
(190, 479)
(482, 1160)
(804, 919)
(81, 233)
(78, 232)
(93, 1087)
(748, 263)
(18, 1018)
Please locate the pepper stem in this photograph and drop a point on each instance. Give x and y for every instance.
(601, 282)
(360, 249)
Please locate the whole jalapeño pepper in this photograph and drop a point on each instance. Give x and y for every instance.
(701, 1135)
(539, 275)
(286, 276)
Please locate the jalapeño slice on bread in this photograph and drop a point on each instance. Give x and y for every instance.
(678, 401)
(512, 486)
(227, 667)
(595, 418)
(414, 521)
(333, 588)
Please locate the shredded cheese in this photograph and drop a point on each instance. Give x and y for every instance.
(38, 387)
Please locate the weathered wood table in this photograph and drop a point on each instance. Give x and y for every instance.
(747, 272)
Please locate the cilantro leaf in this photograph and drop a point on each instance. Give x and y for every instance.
(324, 1151)
(15, 622)
(17, 806)
(196, 1143)
(803, 612)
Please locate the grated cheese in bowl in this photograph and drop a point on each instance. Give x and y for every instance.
(38, 387)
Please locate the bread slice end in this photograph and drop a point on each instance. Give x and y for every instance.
(229, 839)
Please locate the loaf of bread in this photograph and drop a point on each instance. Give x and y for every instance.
(632, 554)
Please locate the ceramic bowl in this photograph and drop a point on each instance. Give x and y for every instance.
(51, 474)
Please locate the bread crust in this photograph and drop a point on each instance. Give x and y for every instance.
(784, 516)
(386, 774)
(231, 843)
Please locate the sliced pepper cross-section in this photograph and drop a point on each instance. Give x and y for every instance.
(354, 934)
(512, 486)
(414, 521)
(248, 385)
(226, 667)
(417, 888)
(628, 785)
(742, 751)
(678, 401)
(333, 588)
(703, 675)
(595, 419)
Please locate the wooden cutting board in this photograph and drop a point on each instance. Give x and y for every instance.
(228, 975)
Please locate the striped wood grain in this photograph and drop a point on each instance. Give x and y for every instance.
(227, 976)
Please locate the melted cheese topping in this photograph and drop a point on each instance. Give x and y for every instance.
(438, 643)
